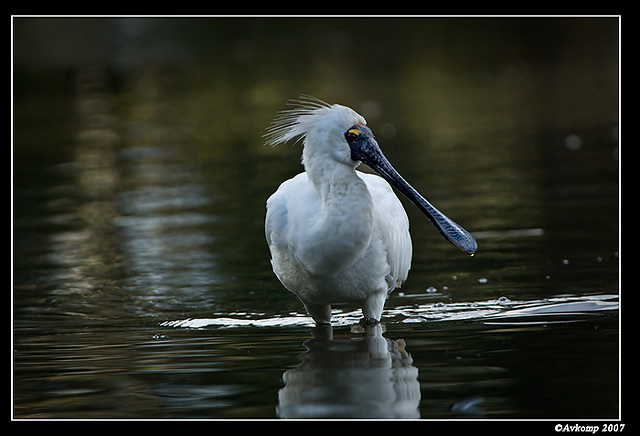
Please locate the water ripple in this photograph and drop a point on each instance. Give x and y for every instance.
(563, 309)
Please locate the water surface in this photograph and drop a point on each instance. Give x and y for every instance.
(141, 279)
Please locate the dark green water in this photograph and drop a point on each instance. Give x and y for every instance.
(141, 279)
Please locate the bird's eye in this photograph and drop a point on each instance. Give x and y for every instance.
(352, 135)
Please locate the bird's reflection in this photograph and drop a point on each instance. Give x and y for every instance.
(368, 377)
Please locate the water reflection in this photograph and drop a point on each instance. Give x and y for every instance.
(125, 224)
(74, 243)
(164, 224)
(371, 377)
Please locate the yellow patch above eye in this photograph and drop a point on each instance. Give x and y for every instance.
(354, 131)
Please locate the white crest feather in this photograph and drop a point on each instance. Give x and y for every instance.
(289, 123)
(297, 122)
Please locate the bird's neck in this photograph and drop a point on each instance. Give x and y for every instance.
(330, 177)
(335, 183)
(343, 229)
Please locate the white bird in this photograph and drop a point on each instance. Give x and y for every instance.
(337, 235)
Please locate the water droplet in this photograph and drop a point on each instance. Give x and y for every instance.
(573, 142)
(482, 280)
(431, 289)
(565, 261)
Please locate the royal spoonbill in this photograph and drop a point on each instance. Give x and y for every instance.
(338, 235)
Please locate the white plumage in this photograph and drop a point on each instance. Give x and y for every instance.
(337, 235)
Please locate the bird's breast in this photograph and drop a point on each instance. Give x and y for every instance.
(325, 231)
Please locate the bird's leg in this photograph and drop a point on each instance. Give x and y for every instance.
(321, 313)
(372, 309)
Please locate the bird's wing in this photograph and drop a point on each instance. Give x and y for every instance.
(392, 222)
(293, 203)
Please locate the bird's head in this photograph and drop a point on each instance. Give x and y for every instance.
(339, 133)
(322, 127)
